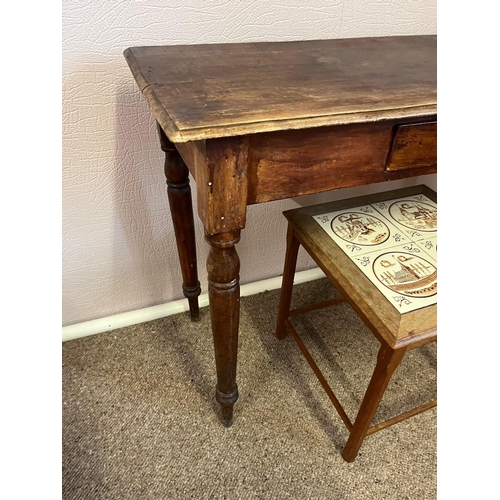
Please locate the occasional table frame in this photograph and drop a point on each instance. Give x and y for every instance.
(394, 338)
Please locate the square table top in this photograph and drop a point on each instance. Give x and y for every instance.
(220, 90)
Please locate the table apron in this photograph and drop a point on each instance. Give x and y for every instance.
(293, 163)
(234, 172)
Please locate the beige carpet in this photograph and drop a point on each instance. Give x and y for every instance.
(140, 419)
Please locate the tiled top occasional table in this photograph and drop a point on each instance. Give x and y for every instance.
(380, 252)
(257, 122)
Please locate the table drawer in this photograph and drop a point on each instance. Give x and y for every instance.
(414, 145)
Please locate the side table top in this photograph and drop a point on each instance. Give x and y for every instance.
(394, 243)
(381, 249)
(220, 90)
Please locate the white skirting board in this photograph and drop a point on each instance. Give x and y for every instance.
(109, 323)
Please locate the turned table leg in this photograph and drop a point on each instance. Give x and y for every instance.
(181, 208)
(223, 266)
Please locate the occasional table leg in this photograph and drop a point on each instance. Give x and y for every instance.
(181, 208)
(387, 361)
(223, 266)
(292, 250)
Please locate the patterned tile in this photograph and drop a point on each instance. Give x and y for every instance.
(361, 229)
(394, 243)
(429, 246)
(415, 216)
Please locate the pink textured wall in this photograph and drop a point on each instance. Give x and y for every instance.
(119, 251)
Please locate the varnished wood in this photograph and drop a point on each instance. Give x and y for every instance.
(418, 339)
(397, 333)
(383, 319)
(414, 146)
(314, 307)
(299, 162)
(292, 163)
(222, 185)
(372, 400)
(193, 153)
(211, 91)
(292, 249)
(223, 266)
(388, 360)
(373, 396)
(399, 418)
(181, 208)
(265, 121)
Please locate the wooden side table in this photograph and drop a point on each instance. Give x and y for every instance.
(258, 122)
(380, 252)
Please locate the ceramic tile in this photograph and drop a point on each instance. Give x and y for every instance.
(415, 216)
(361, 229)
(429, 246)
(394, 243)
(407, 280)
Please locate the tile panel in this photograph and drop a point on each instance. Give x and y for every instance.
(394, 243)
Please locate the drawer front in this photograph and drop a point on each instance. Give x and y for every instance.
(414, 145)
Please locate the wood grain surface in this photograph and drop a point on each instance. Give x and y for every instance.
(414, 146)
(207, 91)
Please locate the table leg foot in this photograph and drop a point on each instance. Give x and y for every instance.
(226, 402)
(192, 293)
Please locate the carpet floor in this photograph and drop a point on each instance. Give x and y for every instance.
(140, 419)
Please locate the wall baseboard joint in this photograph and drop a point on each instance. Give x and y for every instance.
(109, 323)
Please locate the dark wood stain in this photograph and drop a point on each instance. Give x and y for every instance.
(414, 146)
(257, 122)
(208, 91)
(397, 333)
